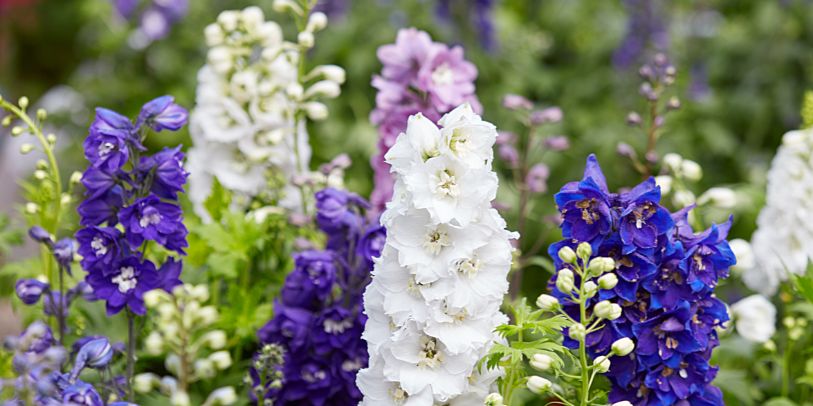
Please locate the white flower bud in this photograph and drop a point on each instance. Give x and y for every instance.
(721, 197)
(494, 399)
(76, 177)
(220, 58)
(154, 343)
(228, 19)
(221, 359)
(316, 22)
(599, 265)
(327, 88)
(623, 346)
(180, 398)
(199, 293)
(584, 250)
(577, 332)
(214, 35)
(270, 34)
(316, 111)
(602, 364)
(32, 208)
(17, 130)
(281, 6)
(173, 363)
(683, 198)
(673, 162)
(608, 281)
(590, 289)
(538, 384)
(40, 174)
(26, 148)
(606, 310)
(547, 302)
(252, 18)
(23, 102)
(51, 138)
(168, 385)
(567, 255)
(143, 383)
(207, 315)
(205, 368)
(215, 339)
(564, 280)
(691, 170)
(221, 397)
(153, 298)
(332, 73)
(294, 90)
(305, 39)
(542, 362)
(665, 182)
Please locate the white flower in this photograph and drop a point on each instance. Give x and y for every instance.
(755, 318)
(783, 241)
(436, 290)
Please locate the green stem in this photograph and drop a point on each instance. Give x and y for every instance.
(61, 316)
(130, 354)
(786, 367)
(585, 393)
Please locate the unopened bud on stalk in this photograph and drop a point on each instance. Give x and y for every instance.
(590, 289)
(305, 39)
(623, 346)
(633, 119)
(316, 22)
(26, 148)
(547, 302)
(17, 130)
(584, 250)
(41, 114)
(602, 364)
(600, 265)
(564, 280)
(608, 281)
(606, 310)
(542, 362)
(494, 399)
(316, 111)
(538, 384)
(23, 102)
(567, 254)
(691, 170)
(577, 332)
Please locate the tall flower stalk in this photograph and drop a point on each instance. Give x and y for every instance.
(434, 301)
(130, 207)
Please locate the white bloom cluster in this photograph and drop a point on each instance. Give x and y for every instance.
(248, 124)
(755, 318)
(436, 291)
(783, 241)
(195, 351)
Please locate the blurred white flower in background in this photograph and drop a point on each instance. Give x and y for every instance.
(754, 318)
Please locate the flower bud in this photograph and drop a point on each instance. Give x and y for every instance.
(30, 290)
(606, 310)
(199, 292)
(665, 183)
(538, 384)
(208, 315)
(590, 289)
(51, 138)
(691, 170)
(684, 198)
(602, 364)
(7, 121)
(332, 73)
(721, 197)
(23, 102)
(228, 19)
(221, 396)
(39, 235)
(221, 359)
(76, 177)
(493, 399)
(316, 22)
(252, 17)
(673, 103)
(327, 88)
(557, 143)
(173, 364)
(577, 332)
(584, 250)
(623, 346)
(564, 280)
(305, 39)
(154, 343)
(567, 254)
(180, 398)
(220, 59)
(547, 302)
(17, 130)
(316, 111)
(26, 148)
(143, 383)
(548, 115)
(608, 281)
(205, 368)
(673, 162)
(64, 251)
(281, 6)
(213, 34)
(542, 362)
(600, 265)
(32, 208)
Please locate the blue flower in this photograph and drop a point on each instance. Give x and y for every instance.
(30, 290)
(125, 285)
(642, 219)
(100, 247)
(166, 170)
(82, 394)
(585, 205)
(106, 145)
(149, 218)
(102, 208)
(312, 280)
(162, 114)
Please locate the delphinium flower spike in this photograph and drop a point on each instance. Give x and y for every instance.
(663, 279)
(434, 301)
(130, 206)
(418, 76)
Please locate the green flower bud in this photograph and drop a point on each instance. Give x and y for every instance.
(577, 332)
(584, 250)
(623, 346)
(564, 281)
(567, 254)
(590, 289)
(602, 364)
(606, 310)
(608, 281)
(547, 302)
(494, 399)
(600, 265)
(23, 102)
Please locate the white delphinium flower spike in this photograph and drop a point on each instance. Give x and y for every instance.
(434, 300)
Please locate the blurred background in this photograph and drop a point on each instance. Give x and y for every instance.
(741, 75)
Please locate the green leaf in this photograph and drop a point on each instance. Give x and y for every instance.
(218, 201)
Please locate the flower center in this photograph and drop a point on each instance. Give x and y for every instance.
(314, 376)
(459, 141)
(150, 217)
(642, 214)
(435, 241)
(429, 356)
(443, 75)
(98, 246)
(447, 184)
(469, 267)
(126, 280)
(588, 213)
(351, 365)
(398, 395)
(105, 148)
(336, 327)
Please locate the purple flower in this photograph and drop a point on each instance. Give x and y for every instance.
(106, 145)
(537, 179)
(557, 143)
(82, 394)
(99, 247)
(95, 353)
(162, 114)
(170, 273)
(64, 251)
(643, 220)
(97, 181)
(290, 327)
(30, 290)
(40, 235)
(372, 242)
(149, 218)
(311, 281)
(585, 205)
(448, 78)
(102, 208)
(125, 8)
(166, 169)
(126, 285)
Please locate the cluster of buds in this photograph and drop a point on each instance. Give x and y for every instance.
(194, 351)
(580, 284)
(658, 76)
(266, 373)
(677, 175)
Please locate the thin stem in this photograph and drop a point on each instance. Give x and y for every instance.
(786, 359)
(61, 315)
(585, 393)
(652, 135)
(130, 354)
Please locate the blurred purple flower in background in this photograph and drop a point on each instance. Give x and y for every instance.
(479, 14)
(646, 28)
(156, 16)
